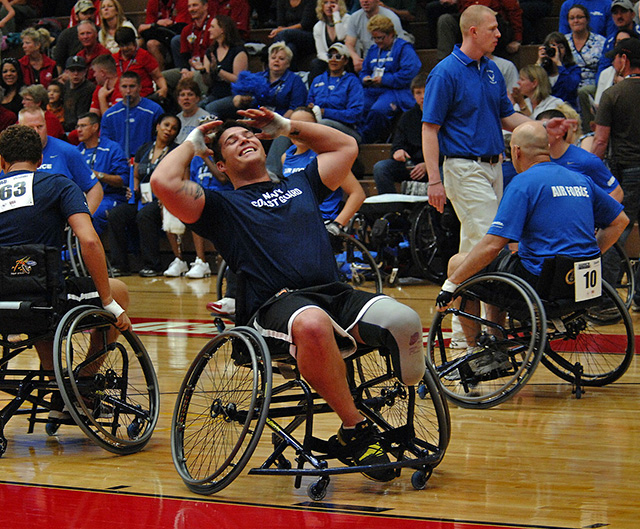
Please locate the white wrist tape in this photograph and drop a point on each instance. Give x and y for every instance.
(114, 308)
(197, 138)
(279, 126)
(449, 286)
(317, 112)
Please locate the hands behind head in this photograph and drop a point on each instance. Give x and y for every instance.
(271, 124)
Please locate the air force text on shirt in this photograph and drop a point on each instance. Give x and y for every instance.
(570, 191)
(276, 198)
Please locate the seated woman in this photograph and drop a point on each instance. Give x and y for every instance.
(336, 96)
(11, 80)
(331, 27)
(564, 74)
(223, 62)
(389, 66)
(37, 66)
(36, 96)
(295, 19)
(111, 19)
(533, 93)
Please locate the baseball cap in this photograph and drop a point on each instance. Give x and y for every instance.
(340, 48)
(75, 63)
(629, 47)
(625, 4)
(83, 5)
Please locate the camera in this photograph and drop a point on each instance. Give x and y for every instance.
(550, 51)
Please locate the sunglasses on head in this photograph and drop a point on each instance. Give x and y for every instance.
(335, 55)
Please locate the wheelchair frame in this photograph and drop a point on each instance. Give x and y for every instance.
(110, 392)
(211, 416)
(568, 337)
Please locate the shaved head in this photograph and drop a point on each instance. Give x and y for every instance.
(474, 16)
(529, 145)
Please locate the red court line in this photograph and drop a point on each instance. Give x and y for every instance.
(25, 506)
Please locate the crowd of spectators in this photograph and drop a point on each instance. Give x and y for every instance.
(351, 62)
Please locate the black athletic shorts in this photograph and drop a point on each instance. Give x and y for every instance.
(340, 301)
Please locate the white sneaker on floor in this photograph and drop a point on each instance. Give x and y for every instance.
(223, 306)
(199, 269)
(177, 268)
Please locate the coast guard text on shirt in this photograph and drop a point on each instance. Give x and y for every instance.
(276, 198)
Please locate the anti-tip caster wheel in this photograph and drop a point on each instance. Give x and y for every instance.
(318, 489)
(51, 427)
(420, 477)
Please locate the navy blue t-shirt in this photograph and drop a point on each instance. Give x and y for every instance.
(273, 233)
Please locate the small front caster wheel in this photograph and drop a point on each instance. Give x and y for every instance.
(419, 478)
(318, 489)
(51, 427)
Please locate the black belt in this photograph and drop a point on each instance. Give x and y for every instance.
(484, 159)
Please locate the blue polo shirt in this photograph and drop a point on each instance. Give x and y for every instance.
(61, 157)
(467, 99)
(588, 164)
(108, 157)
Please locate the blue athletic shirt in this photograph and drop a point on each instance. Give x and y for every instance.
(340, 98)
(108, 157)
(550, 211)
(199, 173)
(63, 158)
(273, 233)
(588, 164)
(330, 207)
(467, 99)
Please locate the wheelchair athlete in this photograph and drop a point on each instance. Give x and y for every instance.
(550, 211)
(274, 234)
(34, 209)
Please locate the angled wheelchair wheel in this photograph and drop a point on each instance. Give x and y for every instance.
(625, 281)
(510, 332)
(75, 255)
(391, 404)
(355, 263)
(221, 410)
(600, 339)
(424, 245)
(221, 279)
(106, 380)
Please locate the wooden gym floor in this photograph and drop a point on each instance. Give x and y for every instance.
(542, 460)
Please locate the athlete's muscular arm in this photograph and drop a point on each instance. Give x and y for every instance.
(94, 197)
(183, 198)
(606, 237)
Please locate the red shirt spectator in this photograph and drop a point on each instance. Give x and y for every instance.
(175, 10)
(42, 76)
(7, 118)
(238, 10)
(143, 64)
(194, 39)
(81, 6)
(91, 48)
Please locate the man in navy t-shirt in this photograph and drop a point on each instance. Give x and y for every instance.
(273, 233)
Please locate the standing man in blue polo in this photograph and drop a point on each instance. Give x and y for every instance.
(464, 111)
(106, 160)
(142, 113)
(61, 157)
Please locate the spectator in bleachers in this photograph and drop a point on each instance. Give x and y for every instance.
(130, 122)
(533, 93)
(622, 14)
(407, 160)
(188, 96)
(265, 11)
(11, 80)
(164, 19)
(238, 10)
(336, 97)
(330, 28)
(58, 156)
(609, 76)
(55, 91)
(107, 93)
(76, 15)
(13, 15)
(67, 43)
(78, 92)
(7, 118)
(533, 15)
(508, 71)
(223, 62)
(434, 10)
(277, 87)
(564, 74)
(600, 21)
(508, 14)
(586, 48)
(388, 68)
(359, 40)
(188, 49)
(37, 66)
(106, 159)
(295, 21)
(405, 9)
(143, 217)
(91, 47)
(36, 96)
(111, 19)
(131, 58)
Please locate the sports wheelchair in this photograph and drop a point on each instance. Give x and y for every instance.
(407, 236)
(589, 342)
(108, 386)
(235, 387)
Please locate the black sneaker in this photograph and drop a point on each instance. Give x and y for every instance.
(361, 446)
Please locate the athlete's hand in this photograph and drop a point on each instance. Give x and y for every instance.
(437, 195)
(198, 137)
(272, 124)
